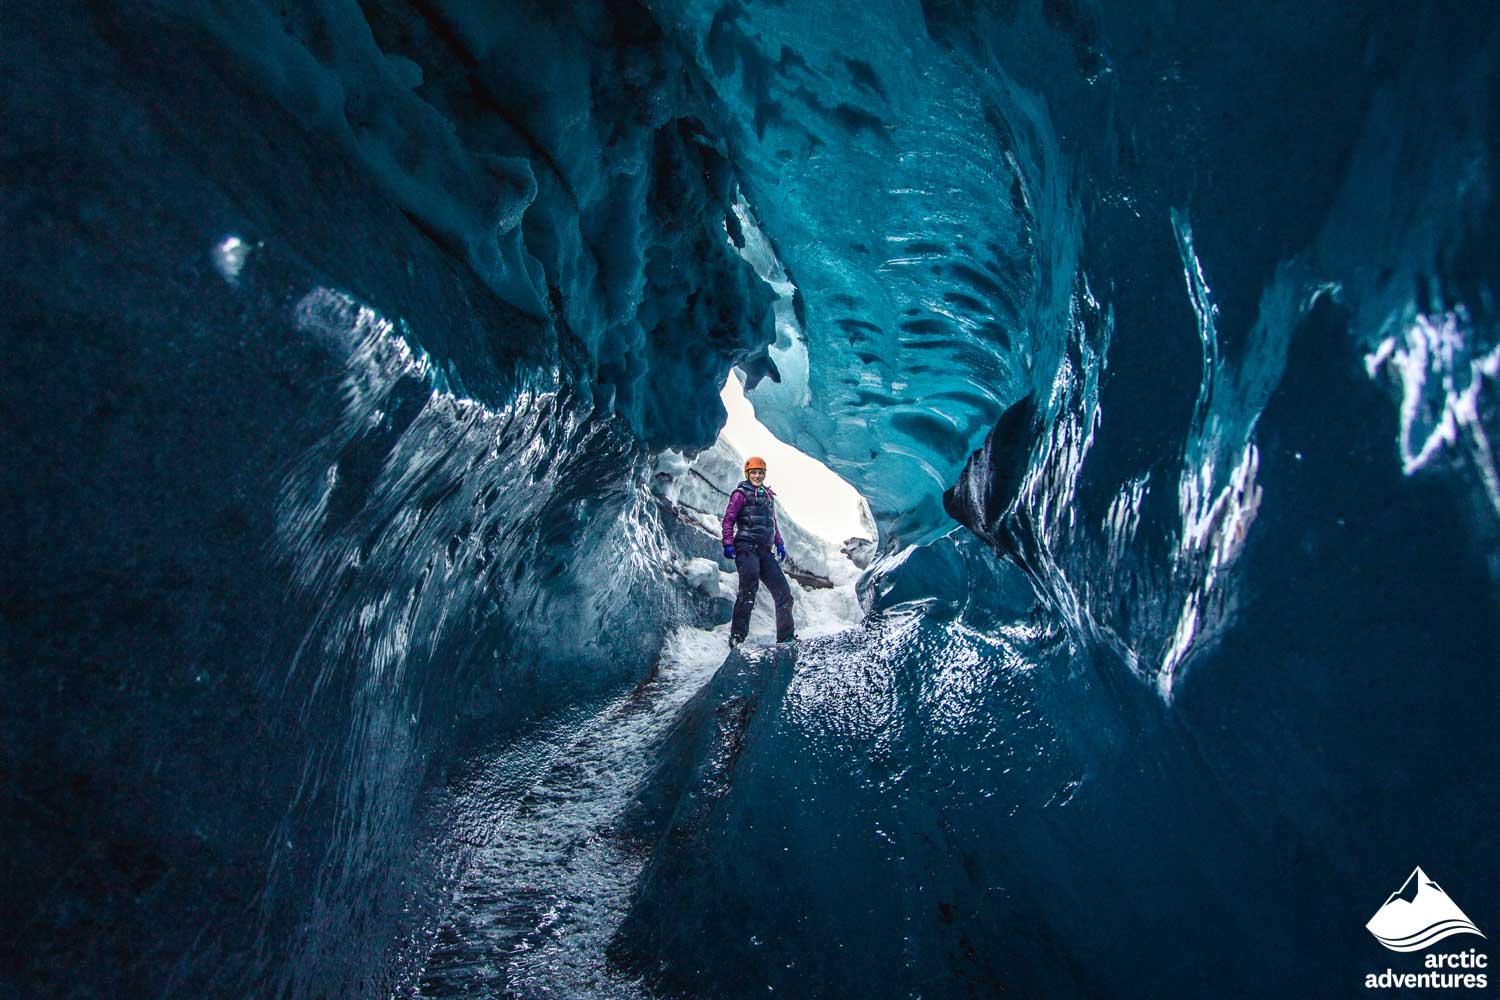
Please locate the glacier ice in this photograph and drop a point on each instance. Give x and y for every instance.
(363, 613)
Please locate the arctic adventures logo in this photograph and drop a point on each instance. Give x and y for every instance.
(1416, 917)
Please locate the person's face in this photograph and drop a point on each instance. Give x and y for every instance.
(756, 476)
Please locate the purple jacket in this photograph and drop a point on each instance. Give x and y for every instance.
(732, 514)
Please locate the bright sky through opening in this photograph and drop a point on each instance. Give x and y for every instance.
(812, 494)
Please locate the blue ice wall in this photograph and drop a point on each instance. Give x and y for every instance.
(892, 179)
(956, 799)
(321, 413)
(337, 335)
(1246, 461)
(1243, 171)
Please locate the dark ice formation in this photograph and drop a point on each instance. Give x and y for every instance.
(348, 650)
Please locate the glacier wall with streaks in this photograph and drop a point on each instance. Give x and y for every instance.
(343, 340)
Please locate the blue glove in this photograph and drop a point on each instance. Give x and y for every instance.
(781, 553)
(729, 552)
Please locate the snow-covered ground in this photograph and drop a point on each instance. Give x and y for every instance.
(817, 610)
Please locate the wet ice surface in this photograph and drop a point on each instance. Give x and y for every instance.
(555, 867)
(539, 904)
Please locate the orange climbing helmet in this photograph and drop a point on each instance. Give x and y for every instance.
(755, 462)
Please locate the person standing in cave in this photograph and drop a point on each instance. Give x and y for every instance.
(750, 532)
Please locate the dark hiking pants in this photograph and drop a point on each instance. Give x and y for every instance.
(757, 563)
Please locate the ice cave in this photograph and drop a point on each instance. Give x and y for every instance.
(1133, 371)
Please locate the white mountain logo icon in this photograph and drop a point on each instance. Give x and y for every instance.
(1418, 916)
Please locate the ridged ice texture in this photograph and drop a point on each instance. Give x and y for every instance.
(897, 186)
(1234, 202)
(580, 188)
(1122, 218)
(1261, 307)
(427, 533)
(337, 333)
(303, 510)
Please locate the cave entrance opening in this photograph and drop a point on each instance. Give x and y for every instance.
(829, 532)
(813, 495)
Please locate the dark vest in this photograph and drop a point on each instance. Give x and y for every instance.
(756, 524)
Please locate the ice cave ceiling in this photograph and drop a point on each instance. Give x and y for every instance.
(947, 185)
(346, 340)
(899, 183)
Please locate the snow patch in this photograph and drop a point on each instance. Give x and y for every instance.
(702, 575)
